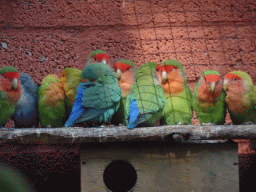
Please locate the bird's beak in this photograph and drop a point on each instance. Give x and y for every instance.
(225, 84)
(118, 73)
(15, 83)
(104, 61)
(212, 86)
(164, 75)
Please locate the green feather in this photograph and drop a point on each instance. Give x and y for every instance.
(54, 115)
(96, 52)
(95, 71)
(178, 108)
(149, 95)
(214, 112)
(7, 109)
(210, 72)
(70, 82)
(7, 69)
(103, 95)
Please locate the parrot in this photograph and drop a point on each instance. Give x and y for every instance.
(178, 108)
(125, 70)
(97, 99)
(209, 99)
(10, 92)
(26, 112)
(240, 97)
(12, 180)
(70, 79)
(51, 102)
(97, 56)
(145, 101)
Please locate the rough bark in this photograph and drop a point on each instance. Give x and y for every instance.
(180, 133)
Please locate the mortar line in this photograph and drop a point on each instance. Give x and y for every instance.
(189, 39)
(204, 37)
(232, 12)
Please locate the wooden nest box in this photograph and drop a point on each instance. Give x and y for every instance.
(168, 158)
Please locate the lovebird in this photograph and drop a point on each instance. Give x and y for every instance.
(240, 97)
(10, 92)
(51, 102)
(145, 101)
(26, 112)
(96, 100)
(125, 70)
(178, 108)
(97, 56)
(209, 99)
(12, 180)
(70, 78)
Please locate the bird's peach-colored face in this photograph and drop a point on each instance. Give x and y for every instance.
(171, 79)
(102, 57)
(233, 83)
(210, 88)
(10, 84)
(211, 82)
(125, 76)
(10, 80)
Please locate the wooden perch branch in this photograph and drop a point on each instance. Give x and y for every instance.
(114, 134)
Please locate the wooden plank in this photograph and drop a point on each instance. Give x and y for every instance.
(180, 133)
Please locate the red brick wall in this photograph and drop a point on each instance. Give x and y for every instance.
(45, 36)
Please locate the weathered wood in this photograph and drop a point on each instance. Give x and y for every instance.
(113, 134)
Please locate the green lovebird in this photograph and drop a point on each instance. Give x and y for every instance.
(97, 99)
(209, 99)
(125, 70)
(10, 92)
(97, 56)
(145, 101)
(178, 108)
(240, 97)
(51, 102)
(70, 78)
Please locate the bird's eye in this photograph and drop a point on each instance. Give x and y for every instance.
(173, 69)
(4, 77)
(95, 59)
(235, 79)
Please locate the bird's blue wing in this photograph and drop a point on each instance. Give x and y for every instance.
(78, 108)
(133, 114)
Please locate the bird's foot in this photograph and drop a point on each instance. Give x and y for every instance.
(179, 123)
(178, 138)
(248, 123)
(103, 125)
(208, 124)
(49, 126)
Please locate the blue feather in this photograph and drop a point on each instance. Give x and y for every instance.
(78, 108)
(26, 112)
(133, 114)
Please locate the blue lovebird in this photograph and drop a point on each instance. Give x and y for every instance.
(26, 111)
